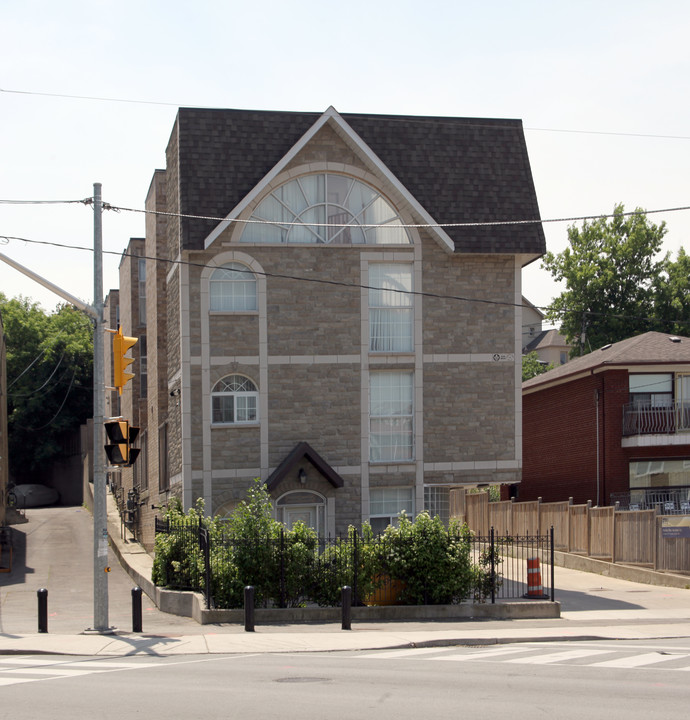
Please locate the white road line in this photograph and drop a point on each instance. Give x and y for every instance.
(483, 654)
(638, 660)
(16, 680)
(405, 653)
(557, 657)
(52, 671)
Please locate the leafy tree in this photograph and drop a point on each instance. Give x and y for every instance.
(533, 366)
(613, 276)
(672, 295)
(49, 379)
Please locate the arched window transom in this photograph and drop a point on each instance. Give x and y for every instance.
(325, 208)
(233, 288)
(234, 401)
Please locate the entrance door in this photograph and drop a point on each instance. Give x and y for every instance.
(307, 515)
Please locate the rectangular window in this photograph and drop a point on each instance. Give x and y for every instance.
(437, 501)
(651, 389)
(391, 312)
(163, 467)
(143, 462)
(142, 291)
(390, 416)
(386, 504)
(143, 372)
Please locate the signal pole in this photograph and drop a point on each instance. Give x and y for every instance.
(100, 514)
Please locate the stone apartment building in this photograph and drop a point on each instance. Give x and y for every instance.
(323, 312)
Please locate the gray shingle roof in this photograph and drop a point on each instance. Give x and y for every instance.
(459, 169)
(647, 349)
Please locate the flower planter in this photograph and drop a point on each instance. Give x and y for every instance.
(388, 593)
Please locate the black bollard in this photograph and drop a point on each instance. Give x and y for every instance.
(136, 609)
(249, 608)
(42, 610)
(346, 603)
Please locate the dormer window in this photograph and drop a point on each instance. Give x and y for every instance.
(325, 208)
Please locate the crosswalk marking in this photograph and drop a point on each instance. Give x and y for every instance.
(637, 660)
(557, 657)
(482, 654)
(16, 670)
(626, 658)
(405, 653)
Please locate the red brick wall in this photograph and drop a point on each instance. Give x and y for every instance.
(560, 441)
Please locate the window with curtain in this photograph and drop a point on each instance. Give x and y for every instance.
(386, 504)
(234, 400)
(325, 208)
(391, 317)
(391, 410)
(233, 288)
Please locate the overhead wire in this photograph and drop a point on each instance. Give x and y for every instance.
(389, 118)
(341, 283)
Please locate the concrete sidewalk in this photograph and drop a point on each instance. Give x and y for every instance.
(55, 550)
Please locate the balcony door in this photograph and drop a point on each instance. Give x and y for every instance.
(683, 402)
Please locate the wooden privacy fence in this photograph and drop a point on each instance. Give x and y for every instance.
(632, 537)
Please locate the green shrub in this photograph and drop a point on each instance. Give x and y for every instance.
(290, 567)
(432, 561)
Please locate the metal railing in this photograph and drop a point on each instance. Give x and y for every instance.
(288, 573)
(656, 420)
(674, 501)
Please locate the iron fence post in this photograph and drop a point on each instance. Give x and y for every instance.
(553, 572)
(493, 568)
(283, 590)
(355, 566)
(205, 544)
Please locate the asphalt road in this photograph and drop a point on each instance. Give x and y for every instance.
(556, 680)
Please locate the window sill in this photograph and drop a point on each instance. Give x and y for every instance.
(222, 426)
(233, 312)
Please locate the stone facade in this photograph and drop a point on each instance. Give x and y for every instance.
(306, 348)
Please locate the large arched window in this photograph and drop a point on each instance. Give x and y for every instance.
(234, 401)
(233, 288)
(325, 208)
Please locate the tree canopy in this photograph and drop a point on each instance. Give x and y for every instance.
(49, 380)
(533, 366)
(618, 284)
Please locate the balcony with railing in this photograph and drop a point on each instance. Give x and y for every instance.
(647, 419)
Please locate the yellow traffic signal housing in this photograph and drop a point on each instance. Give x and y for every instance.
(119, 450)
(121, 344)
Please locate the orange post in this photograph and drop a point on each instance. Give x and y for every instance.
(534, 586)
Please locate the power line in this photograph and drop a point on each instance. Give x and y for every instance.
(489, 223)
(405, 118)
(359, 286)
(281, 223)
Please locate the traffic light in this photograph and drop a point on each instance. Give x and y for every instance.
(121, 344)
(119, 450)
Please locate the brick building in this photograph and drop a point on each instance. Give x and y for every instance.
(324, 331)
(611, 425)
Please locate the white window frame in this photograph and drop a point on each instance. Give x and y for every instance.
(233, 288)
(325, 208)
(391, 307)
(386, 504)
(246, 392)
(391, 416)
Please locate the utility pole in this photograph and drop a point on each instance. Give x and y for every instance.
(100, 513)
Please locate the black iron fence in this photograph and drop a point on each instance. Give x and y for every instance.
(295, 572)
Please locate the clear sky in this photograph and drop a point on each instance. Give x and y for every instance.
(601, 88)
